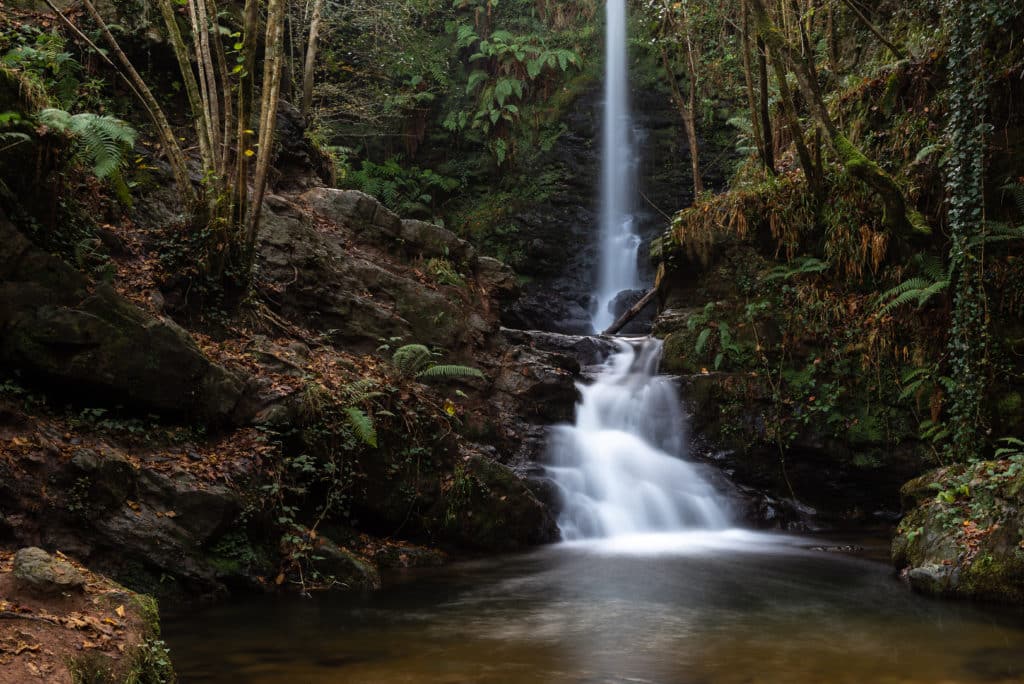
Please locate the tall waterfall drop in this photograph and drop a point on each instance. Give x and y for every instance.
(619, 241)
(619, 468)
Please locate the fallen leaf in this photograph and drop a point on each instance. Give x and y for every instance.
(120, 611)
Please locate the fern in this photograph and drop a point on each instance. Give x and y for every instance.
(362, 425)
(449, 371)
(801, 266)
(1016, 190)
(411, 359)
(101, 142)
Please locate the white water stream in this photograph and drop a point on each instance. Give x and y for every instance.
(619, 468)
(619, 241)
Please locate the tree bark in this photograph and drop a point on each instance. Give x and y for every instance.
(268, 117)
(748, 78)
(175, 157)
(874, 29)
(250, 19)
(310, 66)
(188, 78)
(766, 115)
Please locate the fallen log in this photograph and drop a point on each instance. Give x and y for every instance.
(631, 314)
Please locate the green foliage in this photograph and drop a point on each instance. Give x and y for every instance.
(102, 142)
(362, 425)
(408, 190)
(416, 361)
(449, 372)
(411, 359)
(798, 267)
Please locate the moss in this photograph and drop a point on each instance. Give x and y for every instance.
(995, 577)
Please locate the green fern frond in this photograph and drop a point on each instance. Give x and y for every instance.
(702, 340)
(411, 359)
(362, 425)
(101, 142)
(801, 266)
(904, 293)
(1016, 190)
(449, 371)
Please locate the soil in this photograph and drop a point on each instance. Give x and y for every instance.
(42, 636)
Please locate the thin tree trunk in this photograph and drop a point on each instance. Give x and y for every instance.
(175, 157)
(766, 115)
(245, 99)
(874, 29)
(268, 117)
(897, 215)
(688, 123)
(755, 123)
(188, 78)
(789, 113)
(209, 76)
(227, 102)
(691, 119)
(310, 65)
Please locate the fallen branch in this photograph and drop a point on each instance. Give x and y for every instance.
(631, 314)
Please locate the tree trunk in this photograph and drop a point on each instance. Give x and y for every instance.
(188, 78)
(766, 115)
(691, 118)
(874, 29)
(250, 19)
(310, 65)
(897, 215)
(748, 78)
(632, 313)
(168, 140)
(268, 118)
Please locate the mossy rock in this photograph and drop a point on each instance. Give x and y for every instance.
(963, 535)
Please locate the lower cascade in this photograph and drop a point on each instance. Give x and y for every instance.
(620, 467)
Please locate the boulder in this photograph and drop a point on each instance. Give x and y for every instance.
(963, 533)
(38, 571)
(367, 218)
(345, 567)
(330, 287)
(54, 323)
(427, 240)
(489, 507)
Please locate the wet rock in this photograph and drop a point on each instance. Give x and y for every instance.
(588, 350)
(937, 580)
(497, 279)
(344, 567)
(623, 302)
(329, 287)
(366, 217)
(490, 508)
(299, 164)
(542, 384)
(38, 571)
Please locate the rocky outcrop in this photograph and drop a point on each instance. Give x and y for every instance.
(963, 534)
(56, 324)
(337, 278)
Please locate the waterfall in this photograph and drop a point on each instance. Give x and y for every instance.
(619, 468)
(619, 241)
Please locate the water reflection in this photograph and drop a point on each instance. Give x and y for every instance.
(588, 613)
